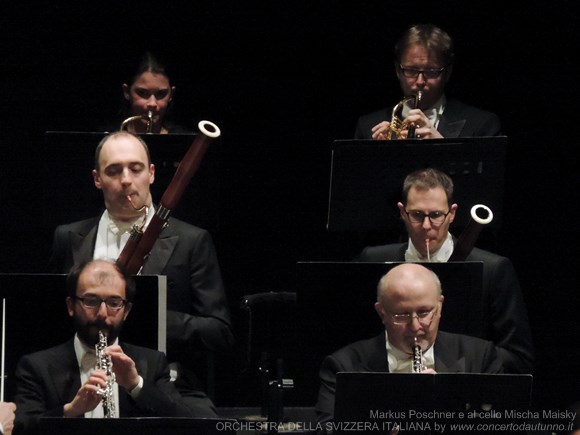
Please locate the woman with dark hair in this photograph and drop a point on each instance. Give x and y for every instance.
(148, 94)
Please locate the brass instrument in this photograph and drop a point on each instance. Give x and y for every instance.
(468, 237)
(418, 365)
(397, 125)
(148, 118)
(104, 363)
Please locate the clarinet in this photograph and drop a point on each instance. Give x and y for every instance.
(104, 363)
(418, 365)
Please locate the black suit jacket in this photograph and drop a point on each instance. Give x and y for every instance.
(198, 318)
(454, 353)
(48, 379)
(458, 120)
(504, 312)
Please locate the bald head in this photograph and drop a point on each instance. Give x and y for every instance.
(408, 278)
(412, 292)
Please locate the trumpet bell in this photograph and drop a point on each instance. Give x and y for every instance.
(131, 119)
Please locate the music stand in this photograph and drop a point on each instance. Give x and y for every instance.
(367, 177)
(419, 402)
(68, 179)
(142, 426)
(39, 301)
(335, 302)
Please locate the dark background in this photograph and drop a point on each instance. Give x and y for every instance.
(283, 80)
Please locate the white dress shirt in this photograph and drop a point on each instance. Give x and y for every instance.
(112, 235)
(402, 362)
(87, 361)
(434, 113)
(442, 255)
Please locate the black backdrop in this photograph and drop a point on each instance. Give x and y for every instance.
(283, 80)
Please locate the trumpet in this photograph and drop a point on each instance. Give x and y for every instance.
(148, 118)
(397, 124)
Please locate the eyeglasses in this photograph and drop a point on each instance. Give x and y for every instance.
(425, 317)
(94, 302)
(413, 73)
(435, 217)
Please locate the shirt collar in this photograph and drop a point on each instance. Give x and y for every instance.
(442, 255)
(81, 348)
(118, 227)
(399, 361)
(432, 113)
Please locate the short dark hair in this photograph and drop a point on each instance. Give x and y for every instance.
(425, 179)
(429, 36)
(72, 279)
(115, 134)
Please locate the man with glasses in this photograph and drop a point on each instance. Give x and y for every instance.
(424, 58)
(63, 381)
(428, 211)
(409, 304)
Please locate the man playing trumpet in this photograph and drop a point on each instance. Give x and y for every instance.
(424, 58)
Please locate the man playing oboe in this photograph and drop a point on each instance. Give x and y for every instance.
(409, 304)
(427, 211)
(66, 380)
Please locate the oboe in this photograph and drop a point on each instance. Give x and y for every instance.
(104, 363)
(418, 365)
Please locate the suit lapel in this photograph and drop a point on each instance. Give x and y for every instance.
(378, 361)
(450, 128)
(445, 357)
(83, 242)
(452, 121)
(64, 373)
(161, 252)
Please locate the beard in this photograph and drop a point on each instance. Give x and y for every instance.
(89, 332)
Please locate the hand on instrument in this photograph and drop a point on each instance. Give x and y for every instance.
(124, 367)
(424, 129)
(381, 131)
(87, 397)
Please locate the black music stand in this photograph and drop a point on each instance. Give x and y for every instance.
(142, 426)
(367, 177)
(68, 179)
(335, 303)
(422, 403)
(36, 315)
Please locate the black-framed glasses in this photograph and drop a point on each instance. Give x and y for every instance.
(435, 217)
(425, 317)
(94, 302)
(413, 73)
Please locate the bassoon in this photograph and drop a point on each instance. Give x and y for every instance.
(468, 237)
(141, 242)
